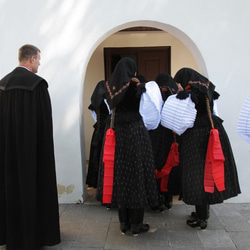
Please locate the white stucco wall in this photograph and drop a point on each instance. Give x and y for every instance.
(68, 32)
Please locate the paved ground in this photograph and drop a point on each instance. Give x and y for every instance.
(90, 226)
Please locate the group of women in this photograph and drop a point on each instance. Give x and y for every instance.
(134, 168)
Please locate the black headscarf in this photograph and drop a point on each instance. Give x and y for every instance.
(141, 78)
(167, 85)
(188, 76)
(119, 81)
(98, 95)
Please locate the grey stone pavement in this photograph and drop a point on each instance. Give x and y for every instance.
(90, 226)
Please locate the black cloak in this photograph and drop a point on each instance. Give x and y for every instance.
(29, 217)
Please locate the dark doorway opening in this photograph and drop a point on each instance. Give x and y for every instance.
(150, 60)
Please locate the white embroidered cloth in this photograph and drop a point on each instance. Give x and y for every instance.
(150, 105)
(178, 115)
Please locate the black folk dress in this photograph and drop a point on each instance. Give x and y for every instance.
(193, 155)
(96, 145)
(134, 183)
(162, 139)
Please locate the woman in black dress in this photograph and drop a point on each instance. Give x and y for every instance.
(134, 182)
(99, 107)
(162, 139)
(194, 145)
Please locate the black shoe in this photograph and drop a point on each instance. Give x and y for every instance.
(139, 228)
(197, 223)
(124, 227)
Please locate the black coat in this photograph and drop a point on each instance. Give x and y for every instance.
(28, 193)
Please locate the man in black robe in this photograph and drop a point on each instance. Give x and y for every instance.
(29, 217)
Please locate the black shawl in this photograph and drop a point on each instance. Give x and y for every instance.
(119, 81)
(167, 85)
(188, 76)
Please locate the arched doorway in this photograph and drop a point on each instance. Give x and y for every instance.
(184, 53)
